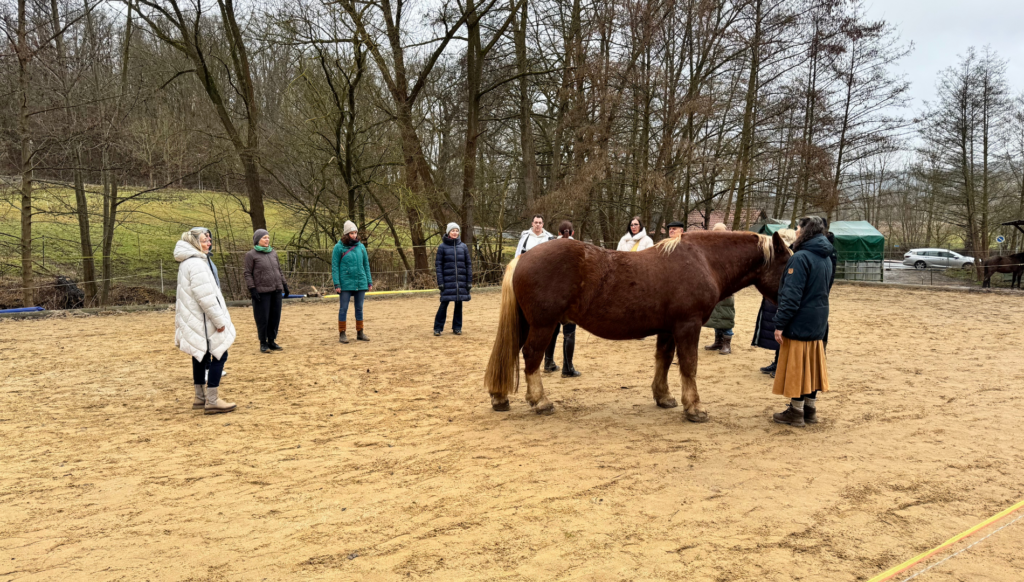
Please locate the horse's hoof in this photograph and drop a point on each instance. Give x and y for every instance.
(501, 406)
(546, 409)
(667, 403)
(698, 416)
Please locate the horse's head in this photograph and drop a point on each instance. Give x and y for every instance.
(776, 255)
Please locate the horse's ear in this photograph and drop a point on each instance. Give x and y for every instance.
(780, 246)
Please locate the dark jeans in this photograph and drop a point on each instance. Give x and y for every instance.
(215, 366)
(267, 312)
(442, 314)
(343, 299)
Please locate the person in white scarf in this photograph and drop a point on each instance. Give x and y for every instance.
(533, 237)
(636, 238)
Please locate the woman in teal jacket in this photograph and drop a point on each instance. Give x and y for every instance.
(350, 269)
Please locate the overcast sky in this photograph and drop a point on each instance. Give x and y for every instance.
(941, 30)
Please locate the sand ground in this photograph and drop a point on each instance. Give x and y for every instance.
(384, 461)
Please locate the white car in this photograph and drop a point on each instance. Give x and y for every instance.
(941, 258)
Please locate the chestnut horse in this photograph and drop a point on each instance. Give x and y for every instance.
(1004, 264)
(668, 290)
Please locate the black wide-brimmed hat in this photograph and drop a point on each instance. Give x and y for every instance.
(675, 223)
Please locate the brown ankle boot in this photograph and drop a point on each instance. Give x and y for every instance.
(790, 416)
(341, 332)
(718, 341)
(810, 414)
(726, 344)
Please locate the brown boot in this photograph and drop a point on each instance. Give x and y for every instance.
(790, 416)
(726, 344)
(341, 333)
(215, 405)
(718, 341)
(810, 414)
(199, 402)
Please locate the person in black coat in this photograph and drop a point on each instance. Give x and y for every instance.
(834, 258)
(454, 266)
(568, 330)
(801, 323)
(764, 327)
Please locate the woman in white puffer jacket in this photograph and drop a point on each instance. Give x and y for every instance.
(636, 238)
(202, 325)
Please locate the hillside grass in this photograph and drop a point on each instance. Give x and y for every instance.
(147, 231)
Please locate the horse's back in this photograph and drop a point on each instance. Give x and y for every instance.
(613, 294)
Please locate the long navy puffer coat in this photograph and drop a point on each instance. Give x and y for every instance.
(764, 329)
(454, 267)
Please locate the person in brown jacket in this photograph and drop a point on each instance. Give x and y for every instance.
(266, 283)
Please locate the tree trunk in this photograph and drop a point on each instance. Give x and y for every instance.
(529, 168)
(474, 71)
(24, 56)
(747, 132)
(84, 235)
(110, 204)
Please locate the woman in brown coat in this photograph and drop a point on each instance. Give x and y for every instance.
(266, 283)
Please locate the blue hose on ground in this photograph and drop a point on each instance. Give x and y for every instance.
(21, 310)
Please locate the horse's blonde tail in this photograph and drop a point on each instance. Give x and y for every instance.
(502, 376)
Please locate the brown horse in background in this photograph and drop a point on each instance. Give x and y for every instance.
(1003, 264)
(668, 291)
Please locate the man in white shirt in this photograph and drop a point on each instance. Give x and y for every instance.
(533, 237)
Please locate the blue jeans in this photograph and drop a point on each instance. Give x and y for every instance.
(199, 368)
(343, 308)
(442, 314)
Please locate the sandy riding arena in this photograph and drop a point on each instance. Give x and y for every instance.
(384, 461)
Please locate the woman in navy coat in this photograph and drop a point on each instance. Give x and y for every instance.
(454, 266)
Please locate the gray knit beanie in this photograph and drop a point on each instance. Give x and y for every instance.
(349, 227)
(451, 226)
(256, 236)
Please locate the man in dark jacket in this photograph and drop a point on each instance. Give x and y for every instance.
(454, 267)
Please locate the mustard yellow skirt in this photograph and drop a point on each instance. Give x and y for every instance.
(801, 369)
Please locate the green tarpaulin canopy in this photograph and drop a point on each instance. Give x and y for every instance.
(857, 240)
(769, 226)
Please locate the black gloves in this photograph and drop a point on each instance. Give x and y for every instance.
(254, 294)
(286, 293)
(440, 288)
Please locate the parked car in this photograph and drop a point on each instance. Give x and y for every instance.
(941, 258)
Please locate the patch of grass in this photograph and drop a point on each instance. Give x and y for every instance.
(147, 230)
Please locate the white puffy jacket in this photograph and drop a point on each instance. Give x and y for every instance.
(200, 308)
(628, 240)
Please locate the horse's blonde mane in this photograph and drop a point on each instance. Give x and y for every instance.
(667, 245)
(763, 242)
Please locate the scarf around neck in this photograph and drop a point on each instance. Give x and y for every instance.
(263, 249)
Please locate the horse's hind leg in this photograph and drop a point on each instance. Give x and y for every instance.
(687, 337)
(533, 354)
(662, 360)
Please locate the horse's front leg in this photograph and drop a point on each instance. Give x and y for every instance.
(662, 360)
(533, 354)
(687, 336)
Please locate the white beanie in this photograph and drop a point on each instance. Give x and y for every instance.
(451, 225)
(349, 227)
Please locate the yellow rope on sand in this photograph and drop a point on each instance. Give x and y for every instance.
(924, 555)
